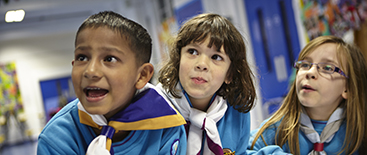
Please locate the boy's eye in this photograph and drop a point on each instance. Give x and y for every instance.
(110, 59)
(81, 58)
(217, 57)
(193, 52)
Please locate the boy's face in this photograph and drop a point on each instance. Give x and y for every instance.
(104, 71)
(202, 71)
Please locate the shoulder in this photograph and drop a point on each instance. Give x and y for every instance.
(175, 138)
(65, 124)
(232, 112)
(234, 120)
(163, 92)
(234, 129)
(268, 135)
(65, 116)
(173, 130)
(269, 131)
(63, 133)
(273, 126)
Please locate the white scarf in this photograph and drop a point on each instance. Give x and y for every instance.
(327, 134)
(98, 145)
(202, 121)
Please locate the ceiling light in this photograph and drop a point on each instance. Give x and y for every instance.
(14, 16)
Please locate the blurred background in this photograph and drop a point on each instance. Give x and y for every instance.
(37, 45)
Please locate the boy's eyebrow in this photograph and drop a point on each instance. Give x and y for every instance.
(101, 48)
(108, 49)
(83, 48)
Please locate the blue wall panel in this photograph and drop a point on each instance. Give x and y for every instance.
(275, 42)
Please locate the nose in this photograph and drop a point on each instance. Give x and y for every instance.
(202, 63)
(93, 70)
(312, 72)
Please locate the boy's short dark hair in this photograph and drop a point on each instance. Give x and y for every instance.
(137, 36)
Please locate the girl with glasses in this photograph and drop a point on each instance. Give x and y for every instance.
(324, 111)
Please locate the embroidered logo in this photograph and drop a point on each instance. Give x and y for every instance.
(174, 146)
(228, 152)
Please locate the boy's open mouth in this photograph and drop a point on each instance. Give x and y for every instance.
(95, 92)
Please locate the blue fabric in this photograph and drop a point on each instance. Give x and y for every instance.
(306, 146)
(318, 125)
(64, 134)
(234, 130)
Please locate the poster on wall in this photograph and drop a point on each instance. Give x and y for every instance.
(56, 93)
(166, 35)
(10, 98)
(11, 104)
(332, 17)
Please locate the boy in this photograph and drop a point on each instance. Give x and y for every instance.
(116, 111)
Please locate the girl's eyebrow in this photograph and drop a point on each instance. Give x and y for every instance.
(193, 44)
(196, 45)
(307, 58)
(328, 60)
(325, 60)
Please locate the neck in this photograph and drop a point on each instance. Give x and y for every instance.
(320, 114)
(201, 104)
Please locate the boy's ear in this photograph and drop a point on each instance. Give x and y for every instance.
(145, 74)
(72, 63)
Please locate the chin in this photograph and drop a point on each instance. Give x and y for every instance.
(95, 110)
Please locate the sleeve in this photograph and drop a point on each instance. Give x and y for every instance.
(45, 148)
(260, 147)
(174, 141)
(61, 135)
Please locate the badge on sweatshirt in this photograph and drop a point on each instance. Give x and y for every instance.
(174, 146)
(228, 151)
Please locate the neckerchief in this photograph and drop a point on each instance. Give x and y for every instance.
(149, 110)
(327, 134)
(202, 121)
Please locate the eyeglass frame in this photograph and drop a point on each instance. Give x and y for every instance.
(337, 69)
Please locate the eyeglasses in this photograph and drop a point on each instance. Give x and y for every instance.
(321, 67)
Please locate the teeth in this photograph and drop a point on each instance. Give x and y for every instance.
(93, 88)
(86, 90)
